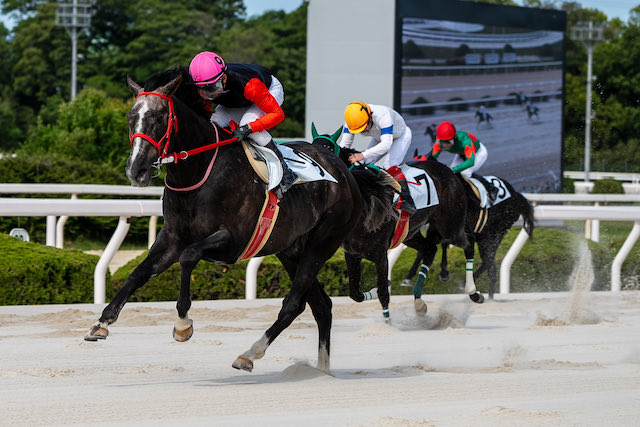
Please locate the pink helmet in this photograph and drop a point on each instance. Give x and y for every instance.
(206, 68)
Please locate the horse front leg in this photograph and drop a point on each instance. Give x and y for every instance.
(407, 281)
(160, 257)
(428, 246)
(212, 247)
(470, 285)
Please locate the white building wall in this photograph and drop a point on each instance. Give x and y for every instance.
(350, 57)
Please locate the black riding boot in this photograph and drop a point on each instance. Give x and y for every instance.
(288, 176)
(405, 195)
(491, 190)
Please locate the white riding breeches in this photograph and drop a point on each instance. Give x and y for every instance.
(395, 155)
(481, 157)
(223, 115)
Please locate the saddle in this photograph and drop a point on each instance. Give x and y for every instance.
(270, 208)
(256, 161)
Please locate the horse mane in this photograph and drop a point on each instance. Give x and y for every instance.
(187, 91)
(377, 198)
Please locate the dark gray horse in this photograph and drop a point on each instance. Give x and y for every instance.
(212, 204)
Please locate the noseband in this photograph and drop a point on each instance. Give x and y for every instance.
(171, 122)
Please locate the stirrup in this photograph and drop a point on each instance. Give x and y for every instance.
(289, 178)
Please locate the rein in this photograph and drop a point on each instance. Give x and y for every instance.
(163, 158)
(171, 123)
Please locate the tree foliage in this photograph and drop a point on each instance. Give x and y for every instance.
(147, 36)
(137, 38)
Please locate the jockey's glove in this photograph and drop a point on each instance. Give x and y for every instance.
(241, 132)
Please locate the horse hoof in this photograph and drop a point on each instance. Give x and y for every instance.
(182, 336)
(96, 333)
(406, 283)
(477, 298)
(420, 306)
(444, 278)
(243, 363)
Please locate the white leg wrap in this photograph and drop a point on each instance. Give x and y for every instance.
(470, 285)
(371, 294)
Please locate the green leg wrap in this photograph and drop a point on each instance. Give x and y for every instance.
(422, 277)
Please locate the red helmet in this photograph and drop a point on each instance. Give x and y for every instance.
(446, 131)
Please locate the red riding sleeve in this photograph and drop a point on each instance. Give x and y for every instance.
(256, 92)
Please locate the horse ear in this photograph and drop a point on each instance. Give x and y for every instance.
(171, 87)
(314, 132)
(135, 88)
(336, 135)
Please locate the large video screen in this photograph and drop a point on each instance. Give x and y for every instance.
(494, 71)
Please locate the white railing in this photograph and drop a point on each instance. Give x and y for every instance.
(51, 208)
(608, 213)
(128, 208)
(619, 176)
(55, 229)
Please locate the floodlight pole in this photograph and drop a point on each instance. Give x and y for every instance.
(590, 35)
(74, 14)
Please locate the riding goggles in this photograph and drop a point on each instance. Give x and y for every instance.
(211, 90)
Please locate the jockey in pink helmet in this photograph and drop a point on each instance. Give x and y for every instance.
(247, 94)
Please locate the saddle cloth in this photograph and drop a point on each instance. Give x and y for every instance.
(421, 186)
(307, 169)
(481, 192)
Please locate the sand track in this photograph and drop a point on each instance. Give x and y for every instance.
(525, 359)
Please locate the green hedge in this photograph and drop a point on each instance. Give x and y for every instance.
(544, 264)
(35, 274)
(607, 186)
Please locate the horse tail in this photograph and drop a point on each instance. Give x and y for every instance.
(377, 190)
(527, 215)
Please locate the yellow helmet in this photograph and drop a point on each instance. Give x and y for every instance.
(357, 115)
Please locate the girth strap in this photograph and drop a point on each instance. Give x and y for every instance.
(266, 221)
(402, 229)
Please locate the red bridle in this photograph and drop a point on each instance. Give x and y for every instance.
(171, 123)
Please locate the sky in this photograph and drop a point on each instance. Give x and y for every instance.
(612, 8)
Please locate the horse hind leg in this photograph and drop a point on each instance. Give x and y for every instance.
(320, 305)
(292, 306)
(354, 271)
(444, 271)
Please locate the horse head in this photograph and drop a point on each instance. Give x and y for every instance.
(151, 123)
(330, 142)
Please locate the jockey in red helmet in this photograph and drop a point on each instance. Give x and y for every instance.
(471, 154)
(247, 94)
